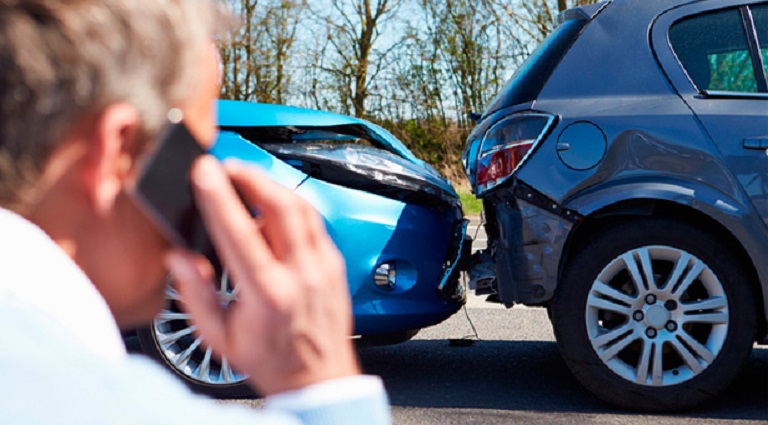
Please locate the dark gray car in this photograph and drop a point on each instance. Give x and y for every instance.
(624, 178)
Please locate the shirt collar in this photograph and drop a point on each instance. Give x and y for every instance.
(35, 273)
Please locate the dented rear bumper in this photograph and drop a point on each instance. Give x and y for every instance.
(527, 237)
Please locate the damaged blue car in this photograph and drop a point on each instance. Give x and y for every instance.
(397, 222)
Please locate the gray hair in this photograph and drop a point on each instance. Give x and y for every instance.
(61, 60)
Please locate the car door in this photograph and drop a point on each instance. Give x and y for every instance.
(724, 54)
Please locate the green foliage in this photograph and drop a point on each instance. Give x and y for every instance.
(472, 206)
(437, 142)
(732, 71)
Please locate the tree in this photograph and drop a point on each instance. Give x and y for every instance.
(474, 48)
(417, 80)
(256, 58)
(353, 31)
(417, 67)
(562, 5)
(537, 18)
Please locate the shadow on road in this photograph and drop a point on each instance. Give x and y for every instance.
(525, 376)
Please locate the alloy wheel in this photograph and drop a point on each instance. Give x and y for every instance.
(184, 351)
(657, 316)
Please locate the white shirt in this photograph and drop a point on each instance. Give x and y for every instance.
(62, 359)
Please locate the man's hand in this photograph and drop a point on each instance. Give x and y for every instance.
(291, 324)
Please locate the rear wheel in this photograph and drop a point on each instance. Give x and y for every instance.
(654, 315)
(171, 339)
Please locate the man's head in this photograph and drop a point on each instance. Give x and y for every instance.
(85, 87)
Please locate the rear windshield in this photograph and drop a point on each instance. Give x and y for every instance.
(528, 81)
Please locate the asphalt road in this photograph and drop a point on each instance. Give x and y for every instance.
(513, 373)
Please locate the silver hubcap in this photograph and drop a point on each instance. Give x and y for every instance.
(184, 351)
(657, 316)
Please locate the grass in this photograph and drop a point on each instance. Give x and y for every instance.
(472, 205)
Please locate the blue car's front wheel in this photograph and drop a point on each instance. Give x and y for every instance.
(172, 340)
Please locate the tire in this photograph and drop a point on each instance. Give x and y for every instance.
(171, 340)
(654, 348)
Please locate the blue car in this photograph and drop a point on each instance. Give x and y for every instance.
(398, 223)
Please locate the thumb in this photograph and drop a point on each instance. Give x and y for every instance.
(193, 277)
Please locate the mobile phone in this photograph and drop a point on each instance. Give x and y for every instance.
(164, 192)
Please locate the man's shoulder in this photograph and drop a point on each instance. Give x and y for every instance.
(39, 362)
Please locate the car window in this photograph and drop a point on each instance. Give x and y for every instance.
(714, 51)
(760, 16)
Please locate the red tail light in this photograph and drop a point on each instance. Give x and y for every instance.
(502, 164)
(506, 145)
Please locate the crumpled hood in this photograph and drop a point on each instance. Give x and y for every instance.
(248, 114)
(369, 168)
(302, 135)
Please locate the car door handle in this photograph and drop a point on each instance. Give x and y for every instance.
(757, 143)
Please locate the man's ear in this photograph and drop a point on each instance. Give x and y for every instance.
(109, 159)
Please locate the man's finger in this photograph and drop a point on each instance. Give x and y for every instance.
(284, 215)
(233, 230)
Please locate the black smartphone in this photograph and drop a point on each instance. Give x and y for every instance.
(163, 189)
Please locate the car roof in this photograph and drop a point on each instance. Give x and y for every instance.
(649, 5)
(234, 113)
